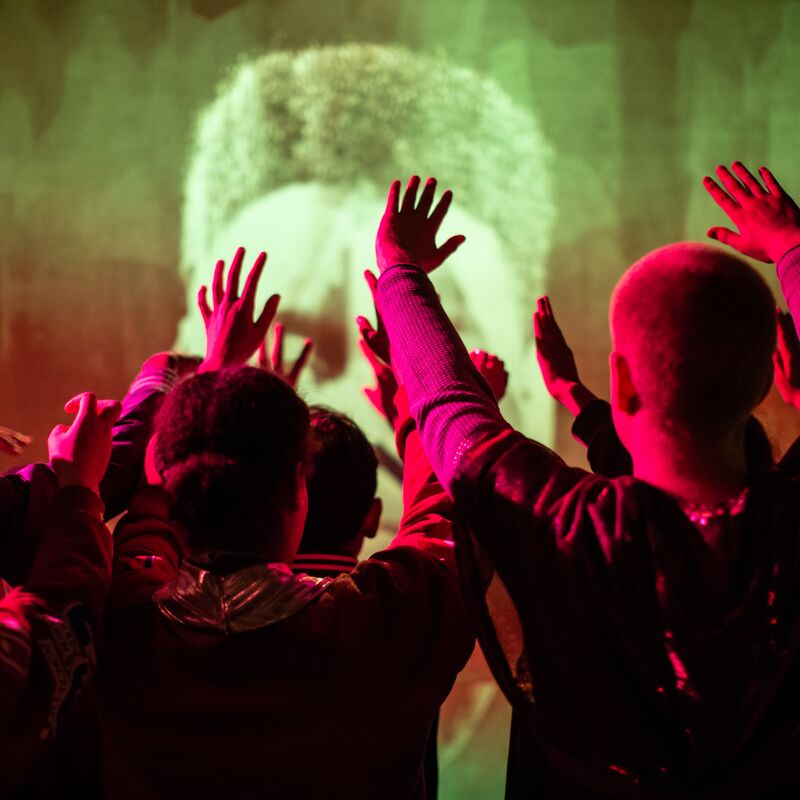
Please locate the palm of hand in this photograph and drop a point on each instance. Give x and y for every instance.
(555, 358)
(407, 231)
(764, 225)
(232, 335)
(767, 218)
(407, 240)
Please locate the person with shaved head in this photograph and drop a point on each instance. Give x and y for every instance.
(659, 612)
(693, 331)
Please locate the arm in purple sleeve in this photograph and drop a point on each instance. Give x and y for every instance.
(450, 401)
(25, 495)
(789, 278)
(25, 492)
(159, 374)
(508, 488)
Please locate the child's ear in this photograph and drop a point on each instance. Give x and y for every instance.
(369, 529)
(623, 394)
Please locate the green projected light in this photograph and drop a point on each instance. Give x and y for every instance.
(295, 157)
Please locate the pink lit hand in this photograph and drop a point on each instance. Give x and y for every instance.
(274, 362)
(79, 453)
(493, 370)
(786, 360)
(374, 344)
(767, 218)
(556, 361)
(231, 334)
(377, 338)
(407, 231)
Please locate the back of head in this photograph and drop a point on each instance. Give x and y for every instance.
(228, 444)
(696, 326)
(341, 484)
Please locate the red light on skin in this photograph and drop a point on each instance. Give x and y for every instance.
(622, 771)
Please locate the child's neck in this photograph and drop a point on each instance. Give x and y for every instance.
(695, 472)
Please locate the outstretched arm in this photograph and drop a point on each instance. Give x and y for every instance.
(131, 433)
(427, 509)
(460, 424)
(452, 406)
(593, 425)
(559, 371)
(49, 627)
(768, 222)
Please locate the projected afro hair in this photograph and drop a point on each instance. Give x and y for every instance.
(343, 115)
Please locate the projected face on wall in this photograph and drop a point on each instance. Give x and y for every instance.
(295, 157)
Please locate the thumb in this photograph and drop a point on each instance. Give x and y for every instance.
(372, 282)
(450, 246)
(54, 439)
(725, 236)
(109, 411)
(364, 327)
(72, 406)
(370, 393)
(86, 405)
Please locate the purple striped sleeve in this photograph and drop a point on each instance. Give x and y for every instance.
(789, 278)
(453, 407)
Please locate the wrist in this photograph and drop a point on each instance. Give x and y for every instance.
(574, 396)
(69, 475)
(398, 259)
(784, 245)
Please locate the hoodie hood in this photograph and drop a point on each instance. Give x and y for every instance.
(252, 597)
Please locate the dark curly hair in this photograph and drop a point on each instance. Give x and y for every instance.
(227, 447)
(342, 481)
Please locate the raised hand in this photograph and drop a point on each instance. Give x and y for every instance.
(407, 231)
(273, 362)
(493, 370)
(13, 442)
(786, 360)
(79, 453)
(556, 361)
(376, 338)
(231, 334)
(383, 393)
(767, 218)
(374, 344)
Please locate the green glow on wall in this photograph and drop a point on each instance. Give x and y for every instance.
(295, 156)
(103, 214)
